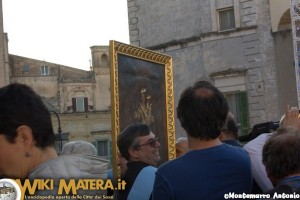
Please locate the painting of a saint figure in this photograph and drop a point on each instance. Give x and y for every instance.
(142, 91)
(144, 110)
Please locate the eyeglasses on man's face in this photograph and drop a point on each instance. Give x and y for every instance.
(151, 143)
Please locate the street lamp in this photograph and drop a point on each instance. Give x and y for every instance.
(58, 130)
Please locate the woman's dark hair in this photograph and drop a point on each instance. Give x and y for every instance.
(20, 105)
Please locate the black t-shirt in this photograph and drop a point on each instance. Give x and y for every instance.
(133, 170)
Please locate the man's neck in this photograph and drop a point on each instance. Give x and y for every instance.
(197, 144)
(40, 156)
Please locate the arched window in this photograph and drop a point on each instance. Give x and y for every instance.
(285, 21)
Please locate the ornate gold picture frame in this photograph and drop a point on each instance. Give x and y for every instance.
(142, 91)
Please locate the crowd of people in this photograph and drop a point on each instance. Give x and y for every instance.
(210, 161)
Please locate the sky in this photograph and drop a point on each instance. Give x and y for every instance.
(62, 31)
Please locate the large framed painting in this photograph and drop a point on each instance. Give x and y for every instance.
(142, 91)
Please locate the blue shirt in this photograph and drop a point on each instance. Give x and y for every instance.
(204, 174)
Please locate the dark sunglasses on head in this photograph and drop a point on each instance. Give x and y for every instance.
(151, 143)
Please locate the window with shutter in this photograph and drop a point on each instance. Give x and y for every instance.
(25, 68)
(74, 104)
(226, 19)
(86, 105)
(44, 71)
(80, 104)
(102, 148)
(238, 105)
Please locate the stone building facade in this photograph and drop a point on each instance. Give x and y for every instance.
(235, 44)
(79, 100)
(75, 95)
(4, 68)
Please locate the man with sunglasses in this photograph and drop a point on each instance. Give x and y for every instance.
(140, 147)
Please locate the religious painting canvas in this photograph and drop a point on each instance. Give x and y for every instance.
(142, 91)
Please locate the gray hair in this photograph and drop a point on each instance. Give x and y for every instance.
(79, 147)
